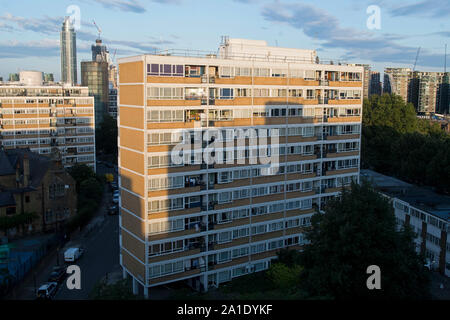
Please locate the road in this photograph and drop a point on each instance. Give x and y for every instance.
(101, 255)
(101, 249)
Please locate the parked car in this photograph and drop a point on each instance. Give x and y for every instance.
(73, 254)
(113, 210)
(47, 290)
(115, 198)
(58, 274)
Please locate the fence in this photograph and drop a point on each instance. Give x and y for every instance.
(19, 258)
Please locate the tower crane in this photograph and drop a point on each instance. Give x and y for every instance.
(98, 29)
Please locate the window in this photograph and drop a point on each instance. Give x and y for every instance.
(167, 70)
(225, 197)
(240, 252)
(224, 256)
(258, 248)
(239, 233)
(226, 93)
(226, 72)
(224, 237)
(10, 211)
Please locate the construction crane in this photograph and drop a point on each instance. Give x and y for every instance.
(417, 57)
(98, 28)
(114, 56)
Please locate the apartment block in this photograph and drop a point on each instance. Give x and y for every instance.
(112, 102)
(375, 86)
(185, 217)
(397, 81)
(426, 212)
(47, 119)
(425, 91)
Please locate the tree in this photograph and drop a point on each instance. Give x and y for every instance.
(283, 276)
(358, 229)
(91, 189)
(81, 172)
(395, 142)
(118, 291)
(106, 136)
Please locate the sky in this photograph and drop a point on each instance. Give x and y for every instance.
(345, 30)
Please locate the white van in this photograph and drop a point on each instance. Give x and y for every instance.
(72, 254)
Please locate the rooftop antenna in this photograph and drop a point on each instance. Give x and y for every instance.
(415, 62)
(445, 59)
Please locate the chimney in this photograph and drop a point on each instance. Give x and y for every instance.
(26, 170)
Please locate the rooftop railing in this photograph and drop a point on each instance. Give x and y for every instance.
(250, 57)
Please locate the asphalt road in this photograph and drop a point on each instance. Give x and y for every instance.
(101, 246)
(101, 256)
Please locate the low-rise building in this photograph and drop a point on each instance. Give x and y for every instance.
(427, 212)
(33, 184)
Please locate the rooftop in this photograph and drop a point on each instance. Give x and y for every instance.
(419, 197)
(252, 50)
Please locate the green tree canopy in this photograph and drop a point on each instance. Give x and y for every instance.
(396, 142)
(81, 172)
(357, 230)
(106, 136)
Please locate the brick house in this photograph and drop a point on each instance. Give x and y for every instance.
(33, 183)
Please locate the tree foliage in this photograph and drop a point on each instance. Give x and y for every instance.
(81, 172)
(90, 191)
(17, 220)
(106, 136)
(396, 142)
(121, 290)
(357, 230)
(283, 276)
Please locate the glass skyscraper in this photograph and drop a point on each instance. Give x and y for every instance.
(68, 53)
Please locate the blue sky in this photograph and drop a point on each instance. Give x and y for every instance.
(29, 29)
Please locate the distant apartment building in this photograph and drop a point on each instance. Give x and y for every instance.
(94, 75)
(112, 102)
(397, 81)
(13, 77)
(426, 212)
(48, 78)
(375, 85)
(34, 183)
(444, 95)
(47, 119)
(185, 217)
(425, 91)
(68, 43)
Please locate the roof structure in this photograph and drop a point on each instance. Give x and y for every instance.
(419, 197)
